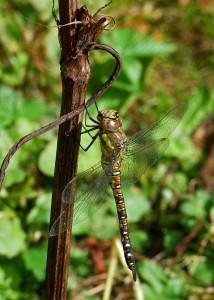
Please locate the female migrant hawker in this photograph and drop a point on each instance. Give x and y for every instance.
(123, 162)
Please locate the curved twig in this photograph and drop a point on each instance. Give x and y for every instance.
(71, 114)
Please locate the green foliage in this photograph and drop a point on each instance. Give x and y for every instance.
(79, 259)
(35, 260)
(137, 52)
(197, 205)
(12, 241)
(141, 207)
(167, 54)
(39, 214)
(47, 158)
(135, 48)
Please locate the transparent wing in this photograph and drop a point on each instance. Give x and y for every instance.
(91, 192)
(62, 223)
(134, 166)
(147, 146)
(158, 130)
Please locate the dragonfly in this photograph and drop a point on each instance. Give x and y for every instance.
(123, 162)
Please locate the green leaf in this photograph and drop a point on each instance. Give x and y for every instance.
(7, 290)
(135, 44)
(35, 108)
(40, 213)
(175, 289)
(12, 237)
(14, 173)
(140, 240)
(171, 238)
(204, 271)
(47, 157)
(133, 70)
(148, 292)
(11, 105)
(23, 127)
(12, 269)
(80, 262)
(6, 143)
(196, 205)
(136, 51)
(35, 260)
(153, 274)
(136, 203)
(201, 106)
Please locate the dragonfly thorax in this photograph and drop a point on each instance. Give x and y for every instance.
(109, 120)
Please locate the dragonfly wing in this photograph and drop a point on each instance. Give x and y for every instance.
(147, 146)
(158, 130)
(91, 192)
(92, 188)
(61, 224)
(84, 181)
(135, 164)
(91, 197)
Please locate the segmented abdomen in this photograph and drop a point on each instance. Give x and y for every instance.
(122, 216)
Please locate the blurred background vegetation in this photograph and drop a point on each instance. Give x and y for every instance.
(167, 49)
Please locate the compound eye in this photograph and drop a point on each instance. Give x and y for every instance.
(116, 116)
(100, 115)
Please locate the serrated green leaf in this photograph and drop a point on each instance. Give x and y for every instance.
(133, 70)
(134, 44)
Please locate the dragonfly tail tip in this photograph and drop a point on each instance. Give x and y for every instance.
(134, 274)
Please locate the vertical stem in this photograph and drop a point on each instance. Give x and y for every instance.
(73, 95)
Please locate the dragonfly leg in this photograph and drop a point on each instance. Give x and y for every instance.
(134, 274)
(97, 108)
(93, 140)
(93, 127)
(101, 8)
(88, 130)
(90, 118)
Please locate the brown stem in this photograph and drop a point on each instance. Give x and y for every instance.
(73, 95)
(75, 76)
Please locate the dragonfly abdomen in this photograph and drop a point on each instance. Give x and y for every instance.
(122, 216)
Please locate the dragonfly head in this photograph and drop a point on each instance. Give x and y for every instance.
(109, 120)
